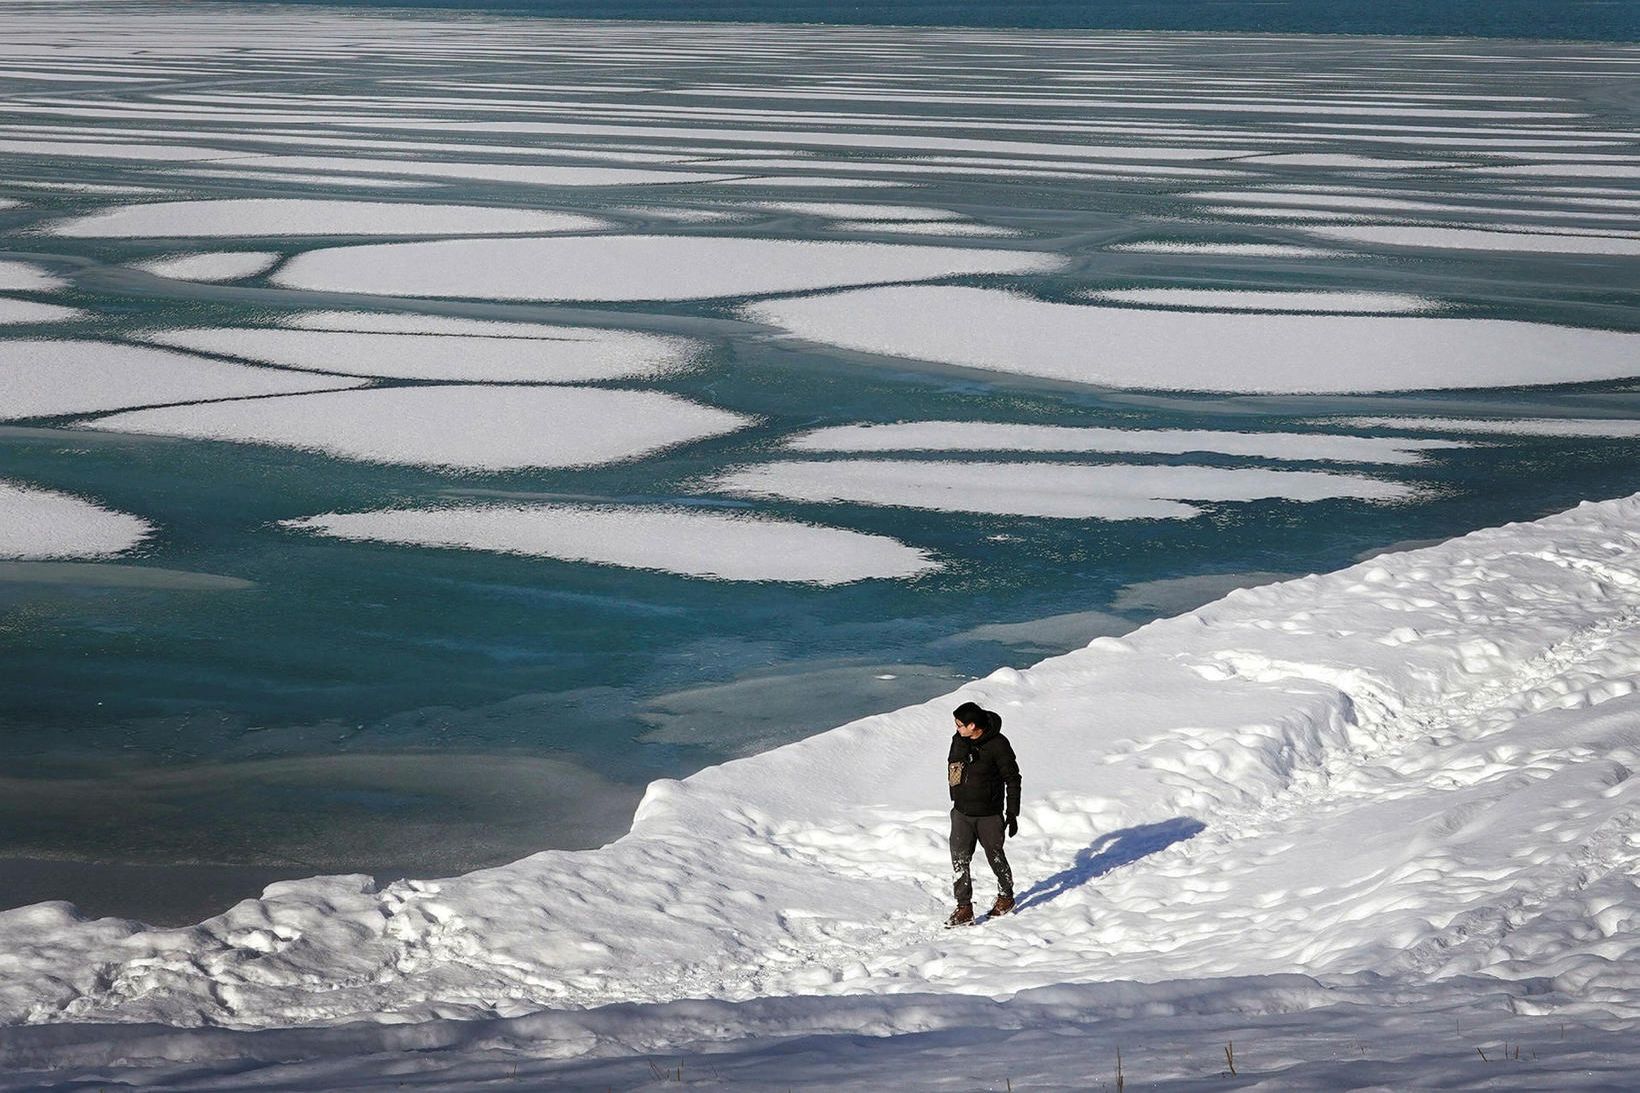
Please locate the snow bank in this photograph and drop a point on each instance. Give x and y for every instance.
(1200, 351)
(987, 436)
(454, 426)
(213, 266)
(1409, 771)
(684, 541)
(633, 267)
(1043, 489)
(270, 216)
(36, 523)
(1242, 300)
(46, 378)
(546, 355)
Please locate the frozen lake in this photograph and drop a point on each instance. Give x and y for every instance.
(419, 432)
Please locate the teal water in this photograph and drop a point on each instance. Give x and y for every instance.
(333, 706)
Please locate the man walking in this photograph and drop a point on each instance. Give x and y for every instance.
(984, 780)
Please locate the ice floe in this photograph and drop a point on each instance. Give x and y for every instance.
(1519, 426)
(27, 277)
(535, 354)
(1070, 491)
(1202, 351)
(1245, 250)
(28, 311)
(838, 210)
(37, 523)
(989, 436)
(50, 378)
(691, 542)
(213, 266)
(1287, 300)
(1476, 239)
(273, 216)
(451, 426)
(634, 267)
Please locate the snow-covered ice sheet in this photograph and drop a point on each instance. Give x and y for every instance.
(1248, 300)
(232, 265)
(1477, 239)
(1519, 426)
(1200, 351)
(1072, 491)
(274, 216)
(27, 277)
(633, 267)
(48, 378)
(732, 547)
(1411, 771)
(538, 354)
(453, 426)
(838, 210)
(37, 523)
(536, 174)
(951, 228)
(31, 311)
(990, 436)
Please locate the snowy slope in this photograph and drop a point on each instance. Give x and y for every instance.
(1405, 784)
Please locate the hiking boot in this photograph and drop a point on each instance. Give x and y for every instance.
(1002, 906)
(962, 916)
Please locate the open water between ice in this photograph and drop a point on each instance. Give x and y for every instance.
(235, 698)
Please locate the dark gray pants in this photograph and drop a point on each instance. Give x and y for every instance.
(988, 832)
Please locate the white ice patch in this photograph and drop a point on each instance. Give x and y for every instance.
(1200, 351)
(543, 355)
(458, 427)
(27, 311)
(633, 267)
(272, 216)
(1063, 490)
(27, 277)
(215, 266)
(536, 174)
(1245, 250)
(1477, 239)
(951, 228)
(684, 541)
(987, 436)
(47, 378)
(1240, 300)
(36, 523)
(838, 210)
(1525, 426)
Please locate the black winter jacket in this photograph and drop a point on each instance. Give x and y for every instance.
(984, 775)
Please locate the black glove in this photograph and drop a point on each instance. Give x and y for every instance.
(1013, 826)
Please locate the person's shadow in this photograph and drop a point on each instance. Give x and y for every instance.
(1113, 850)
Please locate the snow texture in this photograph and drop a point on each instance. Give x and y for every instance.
(731, 547)
(633, 267)
(1065, 490)
(545, 355)
(48, 378)
(212, 266)
(451, 426)
(1233, 250)
(275, 216)
(989, 436)
(1200, 351)
(36, 523)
